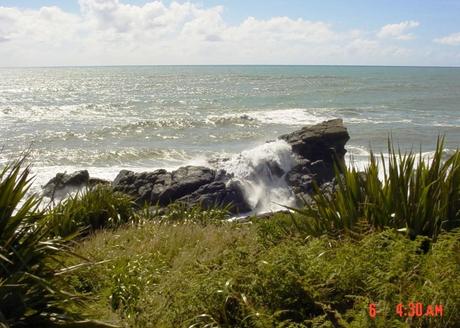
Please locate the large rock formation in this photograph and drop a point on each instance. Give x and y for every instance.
(188, 184)
(316, 148)
(325, 141)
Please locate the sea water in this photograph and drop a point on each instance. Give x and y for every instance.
(105, 119)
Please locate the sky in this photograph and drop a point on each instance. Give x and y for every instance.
(293, 32)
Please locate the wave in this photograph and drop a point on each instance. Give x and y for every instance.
(446, 125)
(293, 116)
(307, 116)
(359, 157)
(235, 119)
(90, 157)
(375, 121)
(257, 170)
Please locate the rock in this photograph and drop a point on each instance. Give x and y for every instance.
(189, 184)
(64, 183)
(316, 148)
(185, 181)
(325, 141)
(300, 178)
(322, 171)
(269, 168)
(145, 187)
(218, 193)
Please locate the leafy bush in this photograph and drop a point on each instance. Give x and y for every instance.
(419, 196)
(29, 294)
(98, 207)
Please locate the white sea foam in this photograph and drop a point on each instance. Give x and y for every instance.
(293, 116)
(303, 116)
(375, 121)
(265, 191)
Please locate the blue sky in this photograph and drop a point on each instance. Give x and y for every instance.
(353, 32)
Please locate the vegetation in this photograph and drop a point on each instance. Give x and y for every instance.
(228, 275)
(29, 294)
(329, 264)
(99, 207)
(418, 196)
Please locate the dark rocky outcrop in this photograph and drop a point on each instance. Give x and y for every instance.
(325, 141)
(317, 148)
(188, 184)
(145, 187)
(218, 193)
(63, 183)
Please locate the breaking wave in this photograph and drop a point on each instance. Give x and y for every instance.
(261, 172)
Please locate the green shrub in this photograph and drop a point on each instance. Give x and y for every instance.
(416, 196)
(97, 208)
(29, 293)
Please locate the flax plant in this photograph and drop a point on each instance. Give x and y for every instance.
(96, 208)
(28, 258)
(416, 195)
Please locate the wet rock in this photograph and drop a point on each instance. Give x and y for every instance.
(145, 187)
(218, 194)
(317, 148)
(325, 141)
(189, 184)
(185, 181)
(64, 183)
(300, 178)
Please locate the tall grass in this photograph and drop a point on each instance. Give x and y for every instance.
(415, 195)
(182, 213)
(194, 275)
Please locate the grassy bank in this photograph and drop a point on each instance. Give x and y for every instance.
(97, 260)
(230, 275)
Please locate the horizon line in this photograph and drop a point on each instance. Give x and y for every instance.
(229, 65)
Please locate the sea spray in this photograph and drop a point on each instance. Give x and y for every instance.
(261, 172)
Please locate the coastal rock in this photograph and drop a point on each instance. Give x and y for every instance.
(145, 187)
(185, 181)
(325, 141)
(300, 177)
(64, 183)
(314, 150)
(316, 147)
(188, 184)
(218, 193)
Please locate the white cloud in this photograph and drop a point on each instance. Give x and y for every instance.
(110, 32)
(398, 31)
(451, 40)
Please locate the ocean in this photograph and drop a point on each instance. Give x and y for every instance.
(105, 119)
